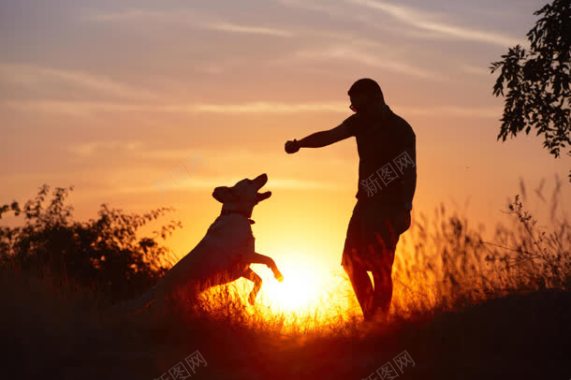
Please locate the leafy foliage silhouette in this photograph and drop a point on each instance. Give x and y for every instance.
(537, 81)
(105, 254)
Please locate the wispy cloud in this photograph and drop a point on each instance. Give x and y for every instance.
(189, 18)
(428, 22)
(452, 111)
(73, 108)
(481, 71)
(33, 76)
(353, 55)
(328, 9)
(346, 37)
(88, 108)
(262, 107)
(248, 29)
(139, 15)
(96, 147)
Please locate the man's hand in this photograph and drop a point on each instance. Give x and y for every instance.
(292, 146)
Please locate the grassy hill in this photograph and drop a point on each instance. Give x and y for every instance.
(47, 335)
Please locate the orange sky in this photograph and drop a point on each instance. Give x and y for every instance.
(145, 104)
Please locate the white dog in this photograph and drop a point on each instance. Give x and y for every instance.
(224, 254)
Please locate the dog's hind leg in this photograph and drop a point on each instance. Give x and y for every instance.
(257, 258)
(252, 276)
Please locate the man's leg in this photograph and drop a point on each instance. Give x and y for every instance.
(385, 246)
(354, 266)
(362, 287)
(383, 288)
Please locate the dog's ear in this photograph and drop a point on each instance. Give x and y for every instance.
(261, 196)
(223, 194)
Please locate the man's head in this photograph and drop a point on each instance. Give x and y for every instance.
(243, 196)
(365, 95)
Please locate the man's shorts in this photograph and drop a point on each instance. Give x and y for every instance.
(373, 234)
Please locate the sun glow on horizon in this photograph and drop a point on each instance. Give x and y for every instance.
(309, 296)
(299, 289)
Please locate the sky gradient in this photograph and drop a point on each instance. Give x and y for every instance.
(142, 104)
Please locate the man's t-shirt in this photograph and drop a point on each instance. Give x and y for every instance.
(387, 158)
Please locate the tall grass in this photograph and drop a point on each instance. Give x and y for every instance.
(446, 263)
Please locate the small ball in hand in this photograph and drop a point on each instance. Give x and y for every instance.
(291, 146)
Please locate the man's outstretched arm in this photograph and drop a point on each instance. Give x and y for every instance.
(320, 139)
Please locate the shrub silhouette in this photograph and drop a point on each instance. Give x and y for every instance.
(105, 254)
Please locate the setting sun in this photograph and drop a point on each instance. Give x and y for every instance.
(300, 290)
(309, 296)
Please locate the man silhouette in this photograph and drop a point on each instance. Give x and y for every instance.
(386, 145)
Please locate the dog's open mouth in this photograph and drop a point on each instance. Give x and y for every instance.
(260, 181)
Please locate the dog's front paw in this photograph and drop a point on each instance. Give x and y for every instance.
(279, 276)
(252, 298)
